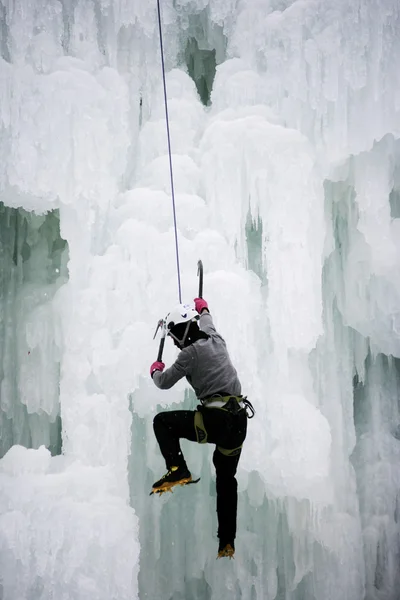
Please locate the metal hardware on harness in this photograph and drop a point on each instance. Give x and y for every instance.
(201, 432)
(248, 407)
(232, 404)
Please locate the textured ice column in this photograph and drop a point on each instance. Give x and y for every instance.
(145, 217)
(373, 415)
(252, 165)
(33, 32)
(64, 142)
(84, 302)
(373, 182)
(239, 86)
(78, 171)
(339, 351)
(370, 247)
(32, 269)
(68, 534)
(329, 67)
(325, 70)
(376, 460)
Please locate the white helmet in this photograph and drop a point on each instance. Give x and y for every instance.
(183, 313)
(180, 314)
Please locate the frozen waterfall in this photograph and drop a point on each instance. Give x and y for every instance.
(285, 128)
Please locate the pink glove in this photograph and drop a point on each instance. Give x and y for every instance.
(156, 366)
(200, 304)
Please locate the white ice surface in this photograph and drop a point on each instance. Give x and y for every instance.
(306, 91)
(63, 528)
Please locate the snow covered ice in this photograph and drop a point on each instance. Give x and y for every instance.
(285, 126)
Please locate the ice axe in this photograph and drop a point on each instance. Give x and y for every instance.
(161, 323)
(200, 274)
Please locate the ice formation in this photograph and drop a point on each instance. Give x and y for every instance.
(284, 119)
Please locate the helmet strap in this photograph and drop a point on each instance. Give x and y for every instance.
(182, 341)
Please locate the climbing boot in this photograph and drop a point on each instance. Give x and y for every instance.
(175, 476)
(226, 550)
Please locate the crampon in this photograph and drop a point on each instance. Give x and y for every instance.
(226, 552)
(167, 487)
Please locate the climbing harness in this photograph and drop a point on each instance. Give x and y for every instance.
(232, 404)
(169, 150)
(229, 403)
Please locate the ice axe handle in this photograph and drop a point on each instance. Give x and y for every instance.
(161, 348)
(160, 325)
(200, 274)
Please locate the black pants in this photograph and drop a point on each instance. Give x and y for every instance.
(224, 429)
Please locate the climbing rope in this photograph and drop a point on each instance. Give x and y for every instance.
(169, 151)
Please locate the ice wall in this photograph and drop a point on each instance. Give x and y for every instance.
(287, 187)
(65, 134)
(33, 266)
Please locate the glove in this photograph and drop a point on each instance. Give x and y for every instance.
(200, 304)
(156, 366)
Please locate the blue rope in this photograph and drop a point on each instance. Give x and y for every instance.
(169, 150)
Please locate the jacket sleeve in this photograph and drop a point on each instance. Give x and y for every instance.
(206, 323)
(181, 368)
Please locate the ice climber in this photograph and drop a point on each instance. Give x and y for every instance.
(220, 418)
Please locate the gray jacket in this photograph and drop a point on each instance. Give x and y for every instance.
(205, 364)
